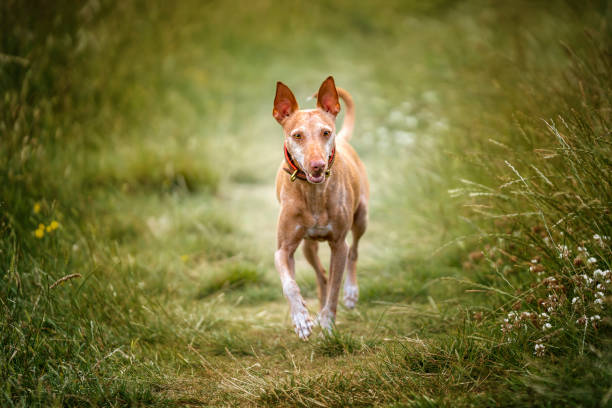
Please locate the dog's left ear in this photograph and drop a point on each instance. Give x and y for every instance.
(327, 97)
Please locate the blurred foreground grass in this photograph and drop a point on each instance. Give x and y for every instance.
(143, 131)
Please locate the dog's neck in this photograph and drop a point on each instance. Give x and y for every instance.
(315, 195)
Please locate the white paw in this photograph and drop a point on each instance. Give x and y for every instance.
(326, 320)
(351, 294)
(302, 322)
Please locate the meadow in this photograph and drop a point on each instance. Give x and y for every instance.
(137, 206)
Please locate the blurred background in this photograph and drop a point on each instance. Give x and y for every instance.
(143, 130)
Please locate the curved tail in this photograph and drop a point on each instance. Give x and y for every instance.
(349, 116)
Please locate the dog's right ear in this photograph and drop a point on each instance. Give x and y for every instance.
(284, 103)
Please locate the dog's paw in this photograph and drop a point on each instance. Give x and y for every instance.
(302, 322)
(326, 320)
(351, 294)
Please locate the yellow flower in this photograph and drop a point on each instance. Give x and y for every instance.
(36, 208)
(41, 226)
(39, 233)
(184, 258)
(49, 228)
(54, 225)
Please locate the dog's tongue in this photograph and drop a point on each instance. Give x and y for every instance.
(315, 179)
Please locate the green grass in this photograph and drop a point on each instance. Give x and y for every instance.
(230, 278)
(144, 132)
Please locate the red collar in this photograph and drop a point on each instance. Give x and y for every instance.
(295, 171)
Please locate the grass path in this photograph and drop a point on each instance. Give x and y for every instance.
(253, 345)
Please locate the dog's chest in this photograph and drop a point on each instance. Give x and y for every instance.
(319, 232)
(318, 227)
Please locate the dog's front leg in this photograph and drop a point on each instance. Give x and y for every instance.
(339, 250)
(283, 259)
(288, 240)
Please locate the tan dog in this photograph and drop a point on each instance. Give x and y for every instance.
(323, 191)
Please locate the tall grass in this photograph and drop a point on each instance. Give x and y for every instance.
(65, 341)
(546, 216)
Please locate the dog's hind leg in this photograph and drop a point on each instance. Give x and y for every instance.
(311, 249)
(339, 251)
(351, 289)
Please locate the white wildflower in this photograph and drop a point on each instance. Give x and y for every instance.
(539, 349)
(547, 326)
(598, 273)
(600, 286)
(600, 240)
(575, 299)
(534, 261)
(404, 138)
(599, 294)
(595, 317)
(396, 116)
(550, 310)
(592, 260)
(598, 301)
(581, 249)
(544, 316)
(430, 97)
(411, 121)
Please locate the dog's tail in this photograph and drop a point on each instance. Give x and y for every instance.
(349, 116)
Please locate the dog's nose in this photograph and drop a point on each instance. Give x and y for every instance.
(317, 166)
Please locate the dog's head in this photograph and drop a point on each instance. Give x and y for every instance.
(309, 133)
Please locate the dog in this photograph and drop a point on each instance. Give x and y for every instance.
(323, 191)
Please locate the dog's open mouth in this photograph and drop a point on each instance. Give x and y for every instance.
(315, 179)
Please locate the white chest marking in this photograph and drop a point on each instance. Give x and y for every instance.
(319, 231)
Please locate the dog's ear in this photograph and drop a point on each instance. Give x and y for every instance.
(327, 97)
(284, 103)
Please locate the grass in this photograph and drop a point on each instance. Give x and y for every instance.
(141, 139)
(231, 277)
(335, 343)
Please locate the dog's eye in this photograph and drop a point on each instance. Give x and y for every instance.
(298, 135)
(326, 133)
